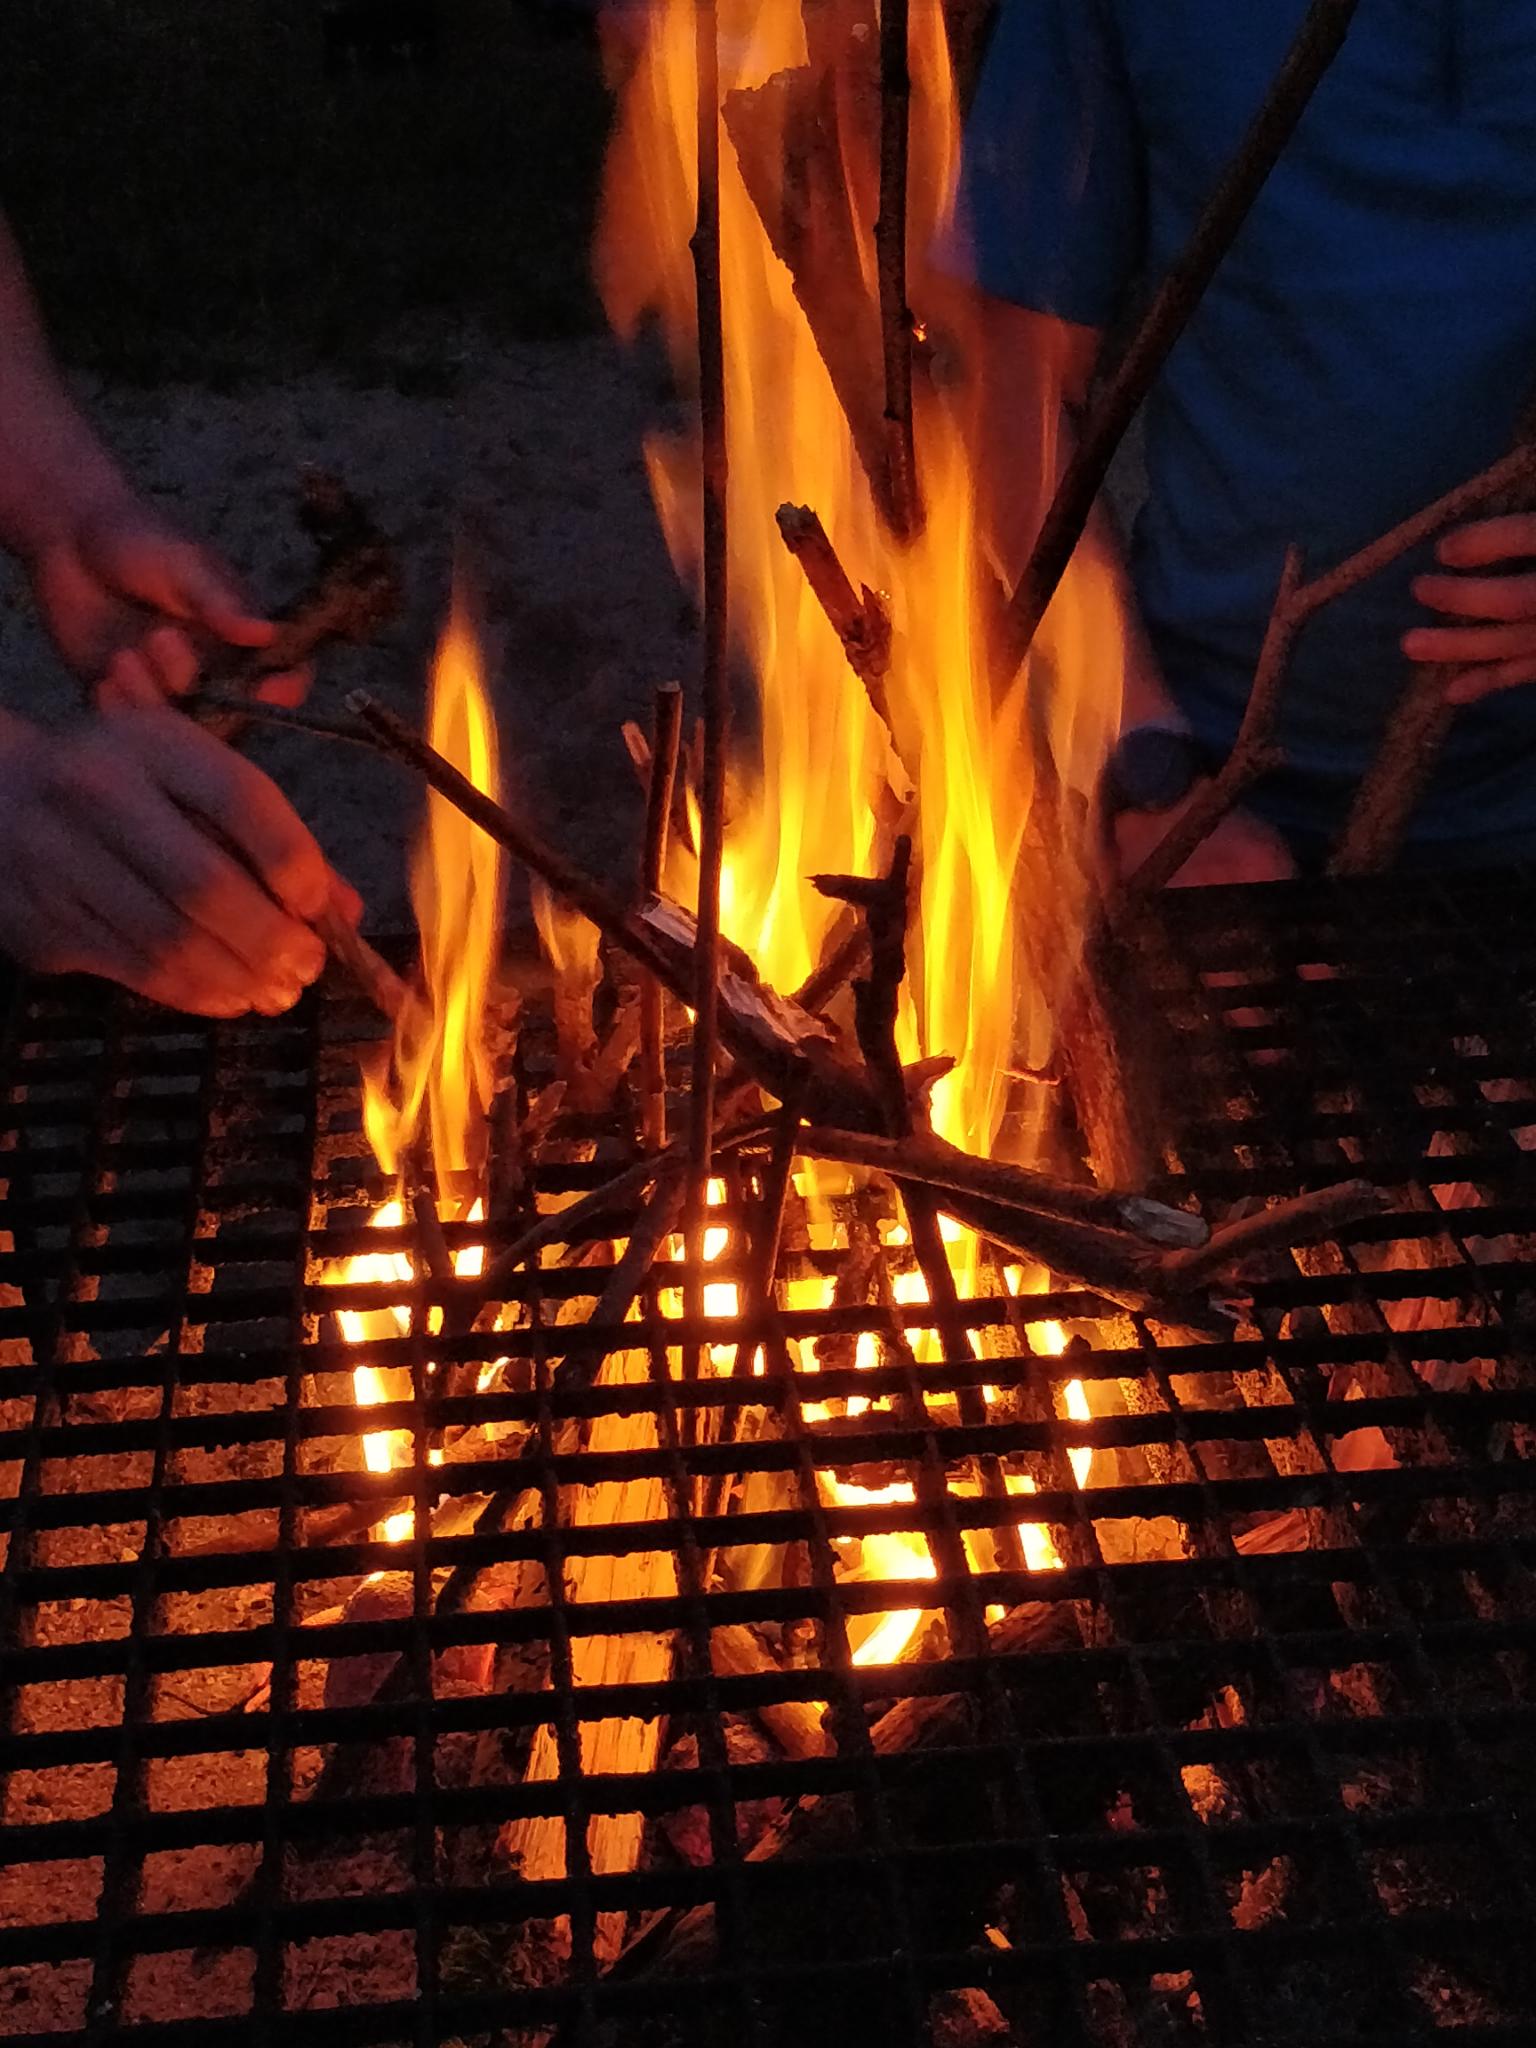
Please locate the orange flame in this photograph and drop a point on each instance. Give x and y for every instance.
(811, 799)
(441, 1070)
(439, 1077)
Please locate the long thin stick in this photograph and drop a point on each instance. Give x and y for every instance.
(658, 815)
(923, 1157)
(369, 970)
(584, 891)
(891, 263)
(715, 459)
(1253, 753)
(1317, 43)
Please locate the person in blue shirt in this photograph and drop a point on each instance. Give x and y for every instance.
(1369, 342)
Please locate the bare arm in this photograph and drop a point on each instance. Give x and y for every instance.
(132, 604)
(53, 469)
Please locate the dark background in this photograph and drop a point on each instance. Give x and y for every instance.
(196, 197)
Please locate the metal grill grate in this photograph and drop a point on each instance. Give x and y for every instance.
(1255, 1765)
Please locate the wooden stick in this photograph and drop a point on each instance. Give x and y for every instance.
(1253, 754)
(923, 1157)
(715, 462)
(1317, 43)
(891, 264)
(847, 951)
(1420, 730)
(658, 813)
(355, 590)
(862, 623)
(1284, 1225)
(1417, 730)
(210, 705)
(588, 895)
(1513, 472)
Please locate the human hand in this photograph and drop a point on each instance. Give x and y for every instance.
(1242, 848)
(138, 847)
(136, 608)
(1499, 651)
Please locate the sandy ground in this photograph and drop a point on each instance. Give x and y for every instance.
(537, 449)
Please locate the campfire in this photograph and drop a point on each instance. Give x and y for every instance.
(756, 1477)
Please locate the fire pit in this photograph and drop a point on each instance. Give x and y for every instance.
(1231, 1736)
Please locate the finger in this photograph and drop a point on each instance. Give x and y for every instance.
(128, 682)
(1470, 646)
(221, 786)
(289, 689)
(1489, 540)
(1474, 683)
(130, 932)
(209, 596)
(142, 559)
(345, 901)
(1479, 597)
(125, 802)
(171, 659)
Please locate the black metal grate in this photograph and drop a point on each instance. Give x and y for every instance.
(1256, 1765)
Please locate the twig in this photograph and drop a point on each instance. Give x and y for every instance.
(923, 1158)
(715, 463)
(568, 1225)
(1515, 471)
(210, 705)
(1316, 45)
(368, 969)
(1295, 603)
(355, 589)
(1253, 753)
(846, 952)
(1416, 733)
(658, 813)
(861, 622)
(891, 265)
(1284, 1225)
(778, 1044)
(588, 895)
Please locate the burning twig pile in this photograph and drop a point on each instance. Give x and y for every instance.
(806, 1438)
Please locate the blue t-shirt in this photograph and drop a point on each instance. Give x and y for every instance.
(1369, 341)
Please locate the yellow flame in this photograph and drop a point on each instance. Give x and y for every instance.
(441, 1068)
(809, 802)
